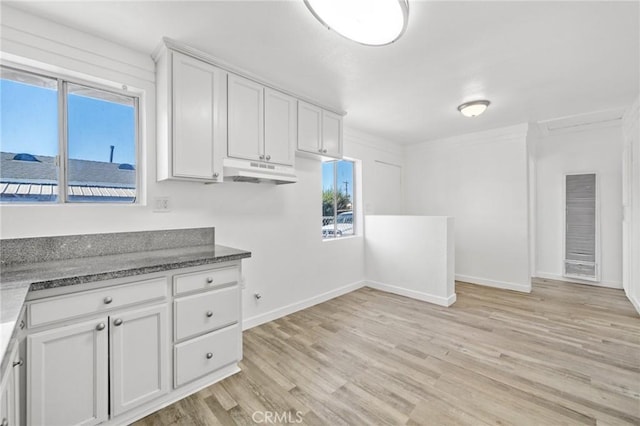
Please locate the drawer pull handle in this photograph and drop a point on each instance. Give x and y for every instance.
(100, 326)
(118, 322)
(209, 355)
(18, 363)
(107, 300)
(209, 280)
(209, 314)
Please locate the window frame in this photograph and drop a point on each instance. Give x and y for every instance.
(62, 158)
(355, 216)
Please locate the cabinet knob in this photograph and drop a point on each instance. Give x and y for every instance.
(324, 151)
(117, 322)
(209, 280)
(22, 325)
(216, 174)
(100, 326)
(209, 314)
(320, 150)
(5, 422)
(108, 300)
(261, 157)
(268, 157)
(18, 363)
(209, 355)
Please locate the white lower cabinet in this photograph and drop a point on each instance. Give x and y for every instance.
(205, 354)
(112, 360)
(71, 367)
(67, 378)
(11, 394)
(139, 357)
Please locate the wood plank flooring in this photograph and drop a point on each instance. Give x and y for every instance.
(564, 354)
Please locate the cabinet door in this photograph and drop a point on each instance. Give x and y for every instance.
(195, 107)
(309, 128)
(331, 134)
(67, 380)
(280, 117)
(8, 413)
(139, 357)
(245, 115)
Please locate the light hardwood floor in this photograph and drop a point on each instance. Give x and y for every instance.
(564, 354)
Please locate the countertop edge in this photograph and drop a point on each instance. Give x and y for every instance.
(123, 273)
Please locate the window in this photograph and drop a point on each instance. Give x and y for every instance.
(56, 133)
(337, 199)
(581, 227)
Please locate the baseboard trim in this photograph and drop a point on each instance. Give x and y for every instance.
(418, 295)
(635, 302)
(298, 306)
(608, 284)
(493, 283)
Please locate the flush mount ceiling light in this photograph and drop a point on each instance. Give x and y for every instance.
(369, 22)
(474, 108)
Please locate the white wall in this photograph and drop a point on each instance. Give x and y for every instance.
(388, 197)
(412, 256)
(596, 150)
(291, 266)
(631, 201)
(481, 180)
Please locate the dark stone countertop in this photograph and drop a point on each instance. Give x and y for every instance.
(17, 279)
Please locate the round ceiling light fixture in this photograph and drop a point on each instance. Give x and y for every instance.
(473, 108)
(368, 22)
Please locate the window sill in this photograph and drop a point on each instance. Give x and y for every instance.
(350, 237)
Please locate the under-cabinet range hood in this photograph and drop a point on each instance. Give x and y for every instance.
(235, 170)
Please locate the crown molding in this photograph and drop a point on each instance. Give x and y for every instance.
(581, 122)
(509, 133)
(368, 140)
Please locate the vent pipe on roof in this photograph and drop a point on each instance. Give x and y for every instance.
(111, 155)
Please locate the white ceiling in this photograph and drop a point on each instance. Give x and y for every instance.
(532, 60)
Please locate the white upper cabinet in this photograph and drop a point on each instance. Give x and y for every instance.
(191, 118)
(261, 122)
(279, 127)
(319, 131)
(245, 118)
(331, 134)
(208, 112)
(309, 128)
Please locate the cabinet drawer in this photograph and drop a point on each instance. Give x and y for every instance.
(206, 311)
(203, 355)
(95, 301)
(208, 279)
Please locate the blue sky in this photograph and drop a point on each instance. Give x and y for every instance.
(29, 123)
(345, 173)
